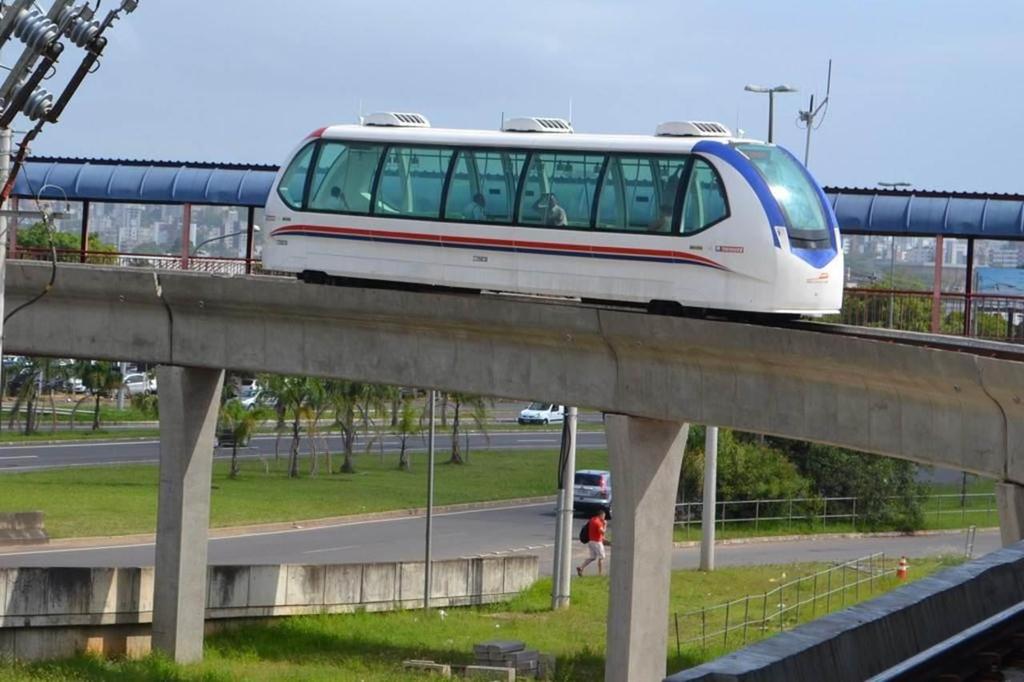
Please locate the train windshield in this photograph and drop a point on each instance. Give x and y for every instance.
(797, 196)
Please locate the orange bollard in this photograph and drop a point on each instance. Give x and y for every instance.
(901, 570)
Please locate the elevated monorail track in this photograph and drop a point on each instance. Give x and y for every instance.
(937, 400)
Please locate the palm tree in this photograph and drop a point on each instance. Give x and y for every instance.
(479, 415)
(407, 424)
(293, 398)
(344, 397)
(102, 378)
(240, 423)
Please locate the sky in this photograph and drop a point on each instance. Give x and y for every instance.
(923, 91)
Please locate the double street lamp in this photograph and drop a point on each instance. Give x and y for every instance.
(771, 101)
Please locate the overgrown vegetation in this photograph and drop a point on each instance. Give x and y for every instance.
(372, 646)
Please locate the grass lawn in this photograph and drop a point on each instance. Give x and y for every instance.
(371, 647)
(116, 500)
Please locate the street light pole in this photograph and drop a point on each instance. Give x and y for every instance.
(761, 89)
(195, 249)
(427, 572)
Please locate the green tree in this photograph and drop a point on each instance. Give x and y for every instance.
(39, 236)
(241, 424)
(406, 424)
(102, 378)
(477, 407)
(888, 494)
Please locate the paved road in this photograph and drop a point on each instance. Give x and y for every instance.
(521, 528)
(15, 458)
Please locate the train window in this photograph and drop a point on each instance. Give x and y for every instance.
(704, 203)
(293, 183)
(559, 189)
(638, 193)
(411, 182)
(483, 186)
(343, 177)
(794, 190)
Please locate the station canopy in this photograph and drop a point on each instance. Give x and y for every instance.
(859, 210)
(928, 213)
(145, 182)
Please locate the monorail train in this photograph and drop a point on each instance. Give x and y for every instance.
(690, 216)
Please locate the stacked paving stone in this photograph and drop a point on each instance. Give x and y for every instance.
(508, 654)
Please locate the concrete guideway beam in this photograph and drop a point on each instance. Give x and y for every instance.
(645, 456)
(189, 402)
(1010, 502)
(938, 407)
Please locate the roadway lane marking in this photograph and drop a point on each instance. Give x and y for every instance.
(292, 530)
(21, 457)
(80, 444)
(330, 549)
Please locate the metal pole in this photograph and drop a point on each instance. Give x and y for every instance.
(810, 126)
(84, 242)
(120, 389)
(427, 568)
(771, 113)
(5, 170)
(561, 600)
(250, 223)
(937, 287)
(892, 280)
(969, 287)
(707, 521)
(186, 235)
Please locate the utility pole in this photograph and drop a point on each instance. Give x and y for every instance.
(562, 572)
(427, 568)
(807, 117)
(21, 92)
(707, 517)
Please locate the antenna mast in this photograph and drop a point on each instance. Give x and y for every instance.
(807, 117)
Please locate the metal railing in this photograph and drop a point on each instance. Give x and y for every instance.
(798, 600)
(820, 512)
(207, 264)
(995, 317)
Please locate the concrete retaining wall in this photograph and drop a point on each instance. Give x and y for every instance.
(56, 612)
(866, 639)
(22, 528)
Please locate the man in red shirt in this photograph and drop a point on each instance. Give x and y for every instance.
(595, 529)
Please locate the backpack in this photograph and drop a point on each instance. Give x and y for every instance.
(585, 533)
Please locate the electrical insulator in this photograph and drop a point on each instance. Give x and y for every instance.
(38, 105)
(78, 26)
(35, 29)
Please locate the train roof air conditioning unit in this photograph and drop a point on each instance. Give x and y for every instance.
(398, 120)
(692, 129)
(536, 124)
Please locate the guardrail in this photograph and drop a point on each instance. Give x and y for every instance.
(793, 513)
(785, 606)
(208, 264)
(986, 316)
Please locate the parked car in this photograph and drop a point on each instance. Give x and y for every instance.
(139, 384)
(592, 489)
(226, 437)
(252, 399)
(542, 413)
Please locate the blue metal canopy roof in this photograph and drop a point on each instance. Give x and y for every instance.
(859, 210)
(951, 214)
(147, 182)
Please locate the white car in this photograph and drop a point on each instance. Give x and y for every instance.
(139, 384)
(542, 413)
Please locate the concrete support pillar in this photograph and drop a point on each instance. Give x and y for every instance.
(1010, 500)
(645, 456)
(189, 401)
(708, 509)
